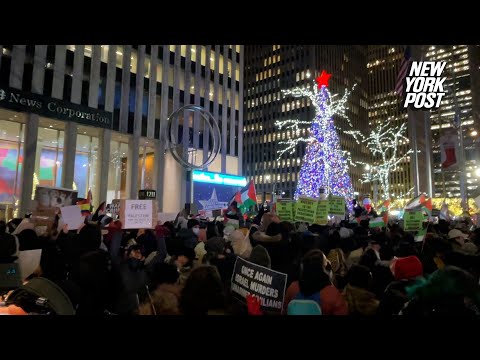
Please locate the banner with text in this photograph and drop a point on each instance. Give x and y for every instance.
(264, 283)
(306, 209)
(413, 220)
(322, 212)
(336, 205)
(138, 214)
(285, 210)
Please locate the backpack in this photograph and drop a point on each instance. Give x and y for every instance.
(302, 305)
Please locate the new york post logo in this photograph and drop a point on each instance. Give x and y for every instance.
(424, 85)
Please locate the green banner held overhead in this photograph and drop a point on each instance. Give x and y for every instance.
(322, 212)
(285, 210)
(413, 220)
(336, 205)
(306, 209)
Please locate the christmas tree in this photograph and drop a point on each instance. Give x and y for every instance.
(324, 165)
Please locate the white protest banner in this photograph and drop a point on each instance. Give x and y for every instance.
(164, 217)
(264, 283)
(72, 216)
(28, 261)
(137, 214)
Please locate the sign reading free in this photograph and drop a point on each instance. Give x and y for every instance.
(138, 214)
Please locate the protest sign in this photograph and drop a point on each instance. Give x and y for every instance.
(413, 220)
(336, 205)
(164, 217)
(306, 209)
(285, 210)
(72, 216)
(265, 284)
(321, 217)
(138, 214)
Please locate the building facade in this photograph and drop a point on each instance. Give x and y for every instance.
(462, 88)
(82, 117)
(269, 69)
(385, 106)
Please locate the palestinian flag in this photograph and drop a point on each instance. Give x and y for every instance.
(237, 198)
(377, 222)
(427, 207)
(384, 206)
(420, 235)
(416, 202)
(248, 195)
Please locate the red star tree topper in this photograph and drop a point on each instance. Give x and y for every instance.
(322, 80)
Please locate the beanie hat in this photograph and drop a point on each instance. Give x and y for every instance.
(260, 256)
(215, 245)
(408, 267)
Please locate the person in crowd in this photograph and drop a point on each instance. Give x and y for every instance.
(450, 291)
(260, 256)
(359, 299)
(336, 257)
(457, 239)
(218, 256)
(133, 278)
(189, 236)
(203, 293)
(406, 270)
(183, 262)
(315, 283)
(160, 302)
(240, 244)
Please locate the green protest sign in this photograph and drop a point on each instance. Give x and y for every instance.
(285, 210)
(336, 205)
(306, 209)
(322, 212)
(413, 220)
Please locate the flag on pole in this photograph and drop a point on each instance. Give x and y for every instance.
(377, 222)
(416, 202)
(248, 195)
(402, 73)
(444, 212)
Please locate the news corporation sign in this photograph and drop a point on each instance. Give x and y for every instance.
(54, 108)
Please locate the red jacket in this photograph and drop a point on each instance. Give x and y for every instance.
(331, 300)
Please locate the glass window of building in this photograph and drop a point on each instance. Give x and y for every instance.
(86, 163)
(49, 155)
(146, 164)
(117, 172)
(11, 160)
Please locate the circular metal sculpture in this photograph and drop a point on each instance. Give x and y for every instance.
(180, 142)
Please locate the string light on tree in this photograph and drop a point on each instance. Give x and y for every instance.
(383, 144)
(325, 164)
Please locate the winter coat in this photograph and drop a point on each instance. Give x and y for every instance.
(331, 300)
(360, 301)
(394, 298)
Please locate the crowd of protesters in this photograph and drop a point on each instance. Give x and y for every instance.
(185, 267)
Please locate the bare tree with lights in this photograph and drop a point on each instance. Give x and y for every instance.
(383, 143)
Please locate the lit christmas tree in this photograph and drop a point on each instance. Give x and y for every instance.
(325, 164)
